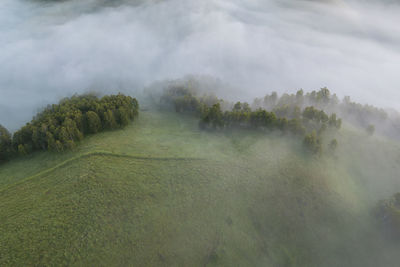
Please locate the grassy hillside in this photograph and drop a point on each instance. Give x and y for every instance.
(163, 193)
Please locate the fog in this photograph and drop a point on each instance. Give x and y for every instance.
(52, 49)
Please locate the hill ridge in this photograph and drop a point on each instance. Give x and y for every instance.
(97, 153)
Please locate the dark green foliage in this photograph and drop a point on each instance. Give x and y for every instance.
(316, 115)
(59, 127)
(241, 116)
(313, 143)
(212, 117)
(334, 122)
(93, 122)
(237, 107)
(318, 120)
(263, 118)
(286, 116)
(5, 143)
(122, 116)
(109, 120)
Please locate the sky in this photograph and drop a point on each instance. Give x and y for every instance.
(53, 49)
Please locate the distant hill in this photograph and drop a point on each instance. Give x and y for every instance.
(163, 193)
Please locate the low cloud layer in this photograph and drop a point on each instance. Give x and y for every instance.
(48, 51)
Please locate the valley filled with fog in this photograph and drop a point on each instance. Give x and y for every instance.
(53, 49)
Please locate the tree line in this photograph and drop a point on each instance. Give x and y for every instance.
(215, 113)
(60, 126)
(364, 116)
(367, 117)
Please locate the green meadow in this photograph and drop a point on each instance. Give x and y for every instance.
(161, 192)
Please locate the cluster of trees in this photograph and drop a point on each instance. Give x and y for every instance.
(185, 100)
(215, 113)
(244, 117)
(367, 117)
(322, 99)
(289, 105)
(311, 121)
(58, 127)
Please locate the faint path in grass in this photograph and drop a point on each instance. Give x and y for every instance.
(99, 153)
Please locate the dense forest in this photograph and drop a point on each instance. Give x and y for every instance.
(60, 126)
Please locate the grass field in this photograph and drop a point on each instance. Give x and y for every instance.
(162, 193)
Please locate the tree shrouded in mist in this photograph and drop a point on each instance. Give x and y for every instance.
(286, 113)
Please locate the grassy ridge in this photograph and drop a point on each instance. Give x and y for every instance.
(162, 193)
(98, 153)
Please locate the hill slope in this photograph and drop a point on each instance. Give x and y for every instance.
(161, 192)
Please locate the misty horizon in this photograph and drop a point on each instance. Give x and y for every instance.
(52, 50)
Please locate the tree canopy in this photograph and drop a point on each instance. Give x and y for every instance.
(5, 143)
(60, 126)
